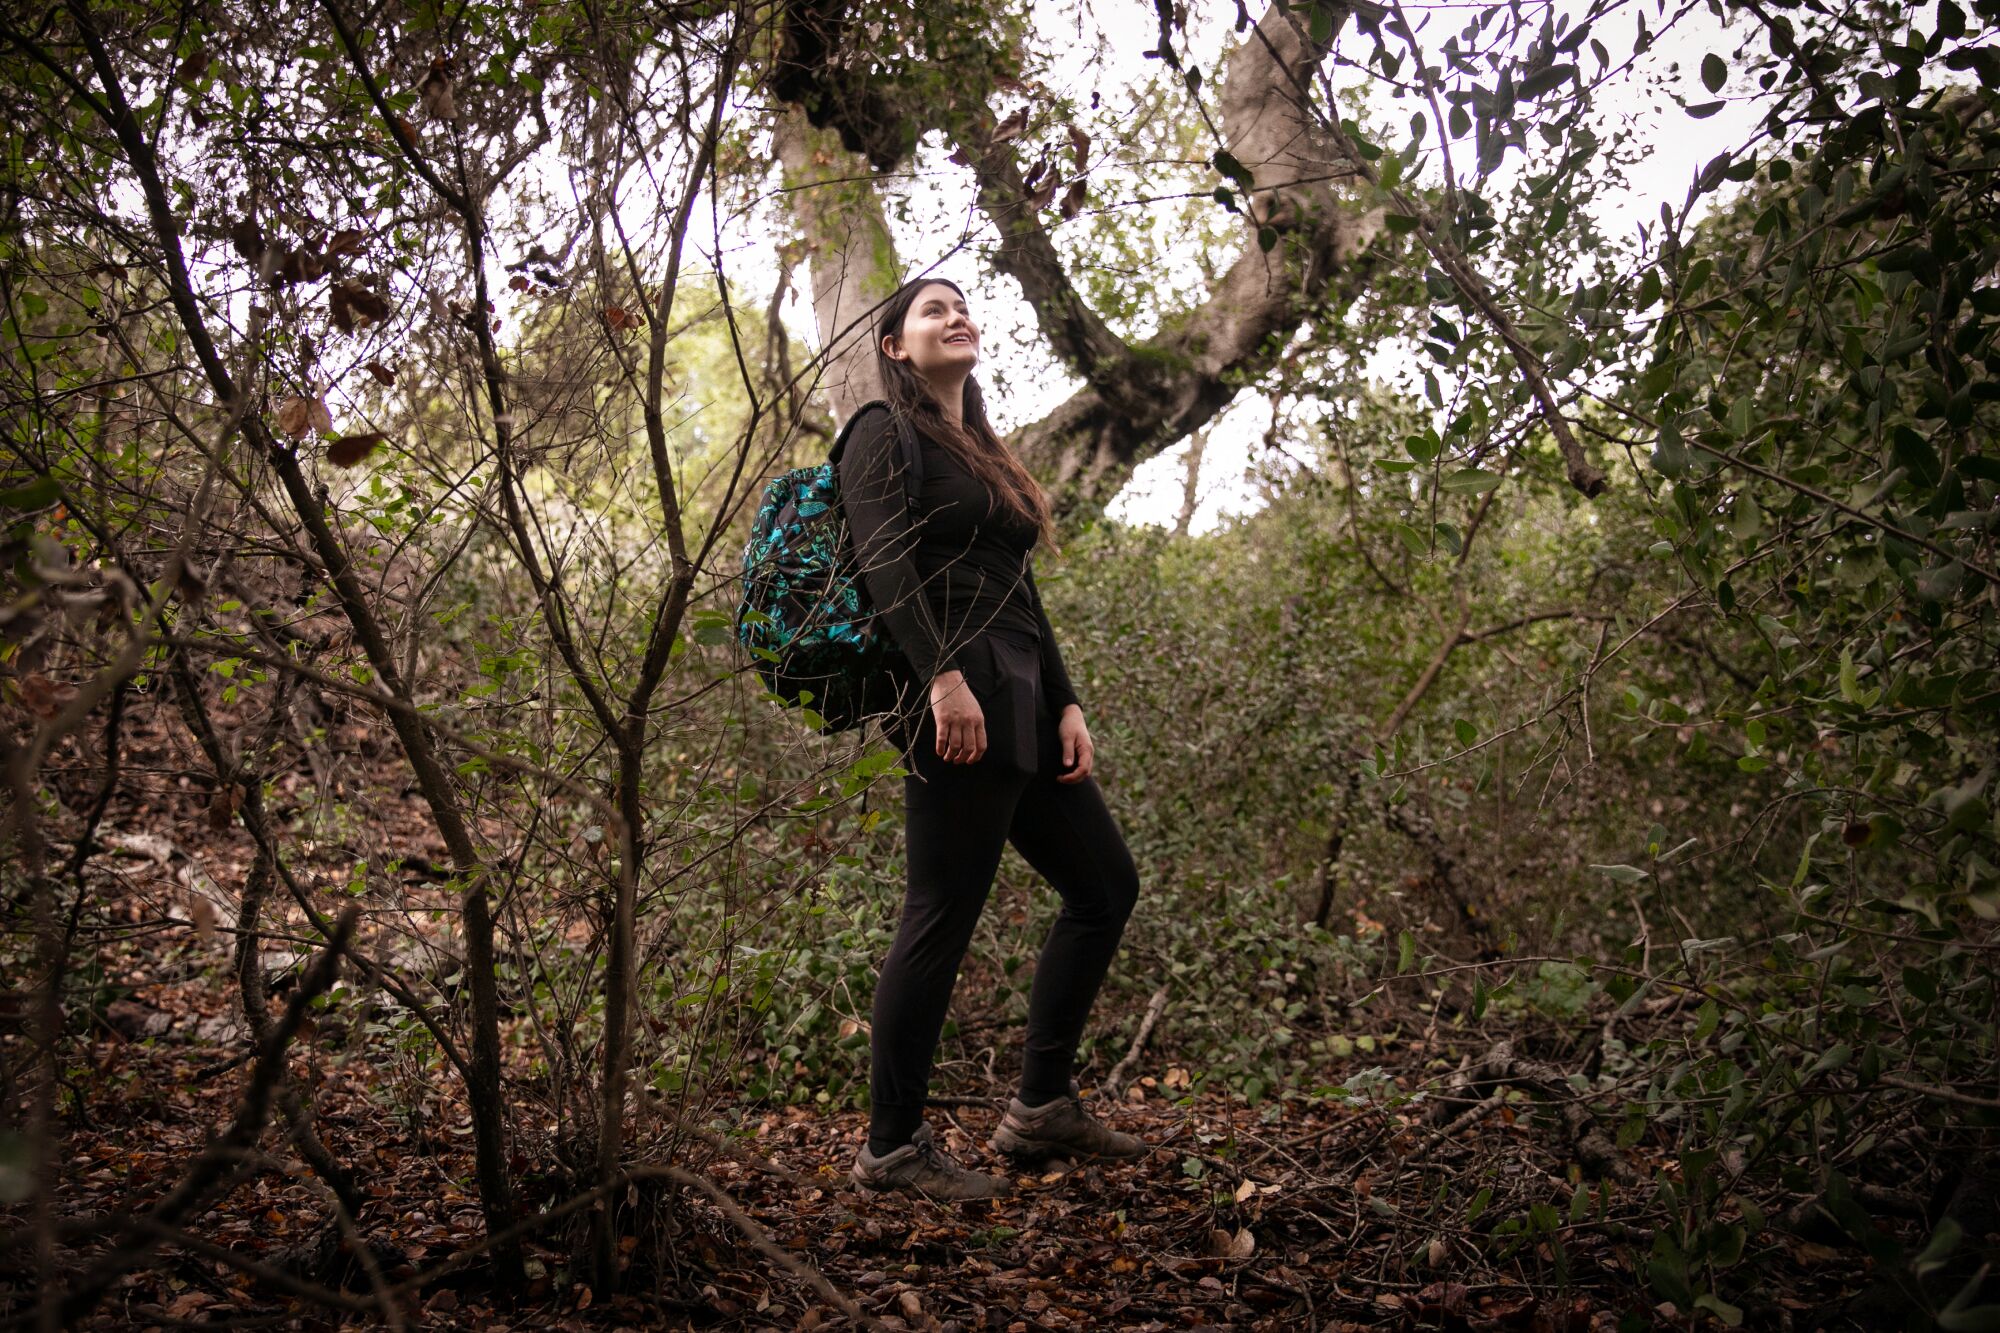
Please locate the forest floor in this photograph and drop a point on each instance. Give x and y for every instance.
(1234, 1221)
(1316, 1214)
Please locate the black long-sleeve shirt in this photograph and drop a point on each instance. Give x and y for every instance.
(950, 566)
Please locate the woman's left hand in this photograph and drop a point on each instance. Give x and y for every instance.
(1079, 753)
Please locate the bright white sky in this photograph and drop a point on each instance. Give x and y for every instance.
(1676, 148)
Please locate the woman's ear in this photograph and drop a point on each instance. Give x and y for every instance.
(892, 347)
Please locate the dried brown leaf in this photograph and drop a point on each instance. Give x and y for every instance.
(1073, 198)
(302, 265)
(1011, 127)
(196, 64)
(1223, 1245)
(202, 912)
(248, 238)
(1080, 143)
(436, 95)
(353, 306)
(1034, 176)
(44, 697)
(1448, 1298)
(296, 415)
(383, 375)
(349, 450)
(346, 241)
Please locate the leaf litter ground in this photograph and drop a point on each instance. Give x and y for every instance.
(1294, 1214)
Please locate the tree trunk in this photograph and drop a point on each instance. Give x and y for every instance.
(850, 252)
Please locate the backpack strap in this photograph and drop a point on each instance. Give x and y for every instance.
(906, 445)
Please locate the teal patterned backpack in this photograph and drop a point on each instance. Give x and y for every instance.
(805, 616)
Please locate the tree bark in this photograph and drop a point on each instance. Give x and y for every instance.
(849, 251)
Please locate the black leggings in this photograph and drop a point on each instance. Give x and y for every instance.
(958, 817)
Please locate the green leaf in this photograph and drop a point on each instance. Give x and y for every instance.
(1720, 1308)
(1648, 295)
(40, 493)
(1706, 1019)
(1320, 23)
(1544, 81)
(1469, 481)
(1914, 452)
(1985, 61)
(1703, 110)
(1740, 417)
(1465, 732)
(1836, 1058)
(1670, 454)
(1714, 73)
(1670, 1280)
(1850, 683)
(1226, 163)
(1622, 874)
(1406, 951)
(1943, 1242)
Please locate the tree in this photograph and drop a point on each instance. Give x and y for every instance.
(1300, 239)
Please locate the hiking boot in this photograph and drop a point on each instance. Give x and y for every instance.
(1029, 1135)
(921, 1167)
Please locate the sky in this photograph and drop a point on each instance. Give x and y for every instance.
(1108, 58)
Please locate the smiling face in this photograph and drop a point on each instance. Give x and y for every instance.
(939, 339)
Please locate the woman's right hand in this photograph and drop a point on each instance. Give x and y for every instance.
(961, 725)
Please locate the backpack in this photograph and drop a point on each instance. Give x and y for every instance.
(805, 617)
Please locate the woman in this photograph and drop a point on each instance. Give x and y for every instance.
(996, 744)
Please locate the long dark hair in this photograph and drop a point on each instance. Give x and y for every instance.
(974, 444)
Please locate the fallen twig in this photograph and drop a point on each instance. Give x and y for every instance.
(1500, 1065)
(769, 1248)
(1154, 1008)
